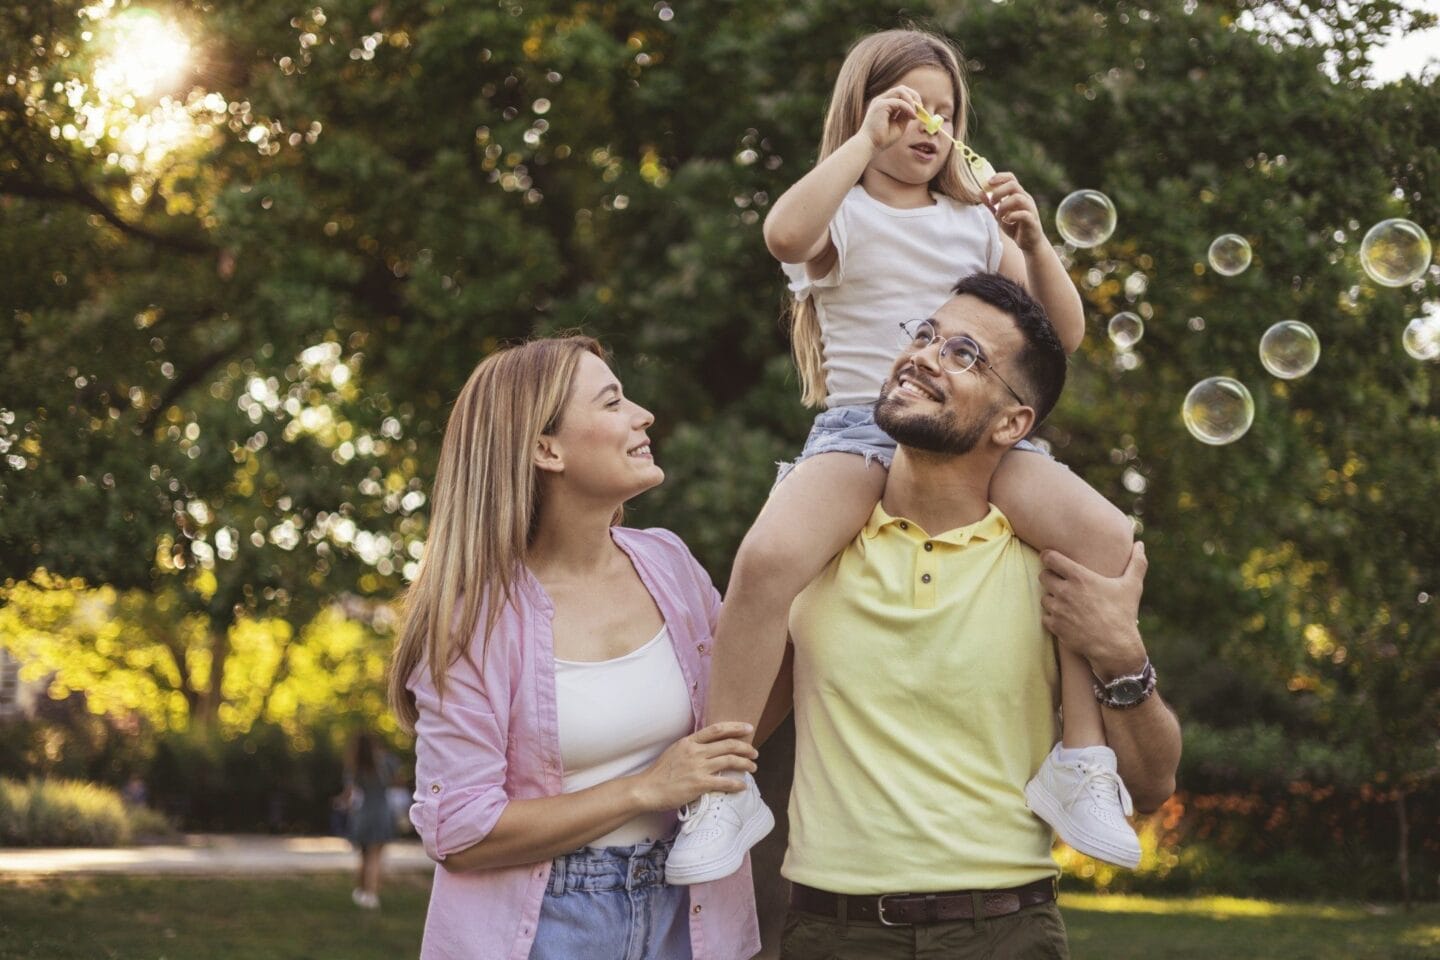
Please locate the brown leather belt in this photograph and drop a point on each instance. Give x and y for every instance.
(906, 909)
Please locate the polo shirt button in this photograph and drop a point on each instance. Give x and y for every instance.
(925, 578)
(700, 647)
(697, 909)
(929, 547)
(904, 525)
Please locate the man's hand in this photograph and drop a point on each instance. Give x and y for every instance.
(1093, 615)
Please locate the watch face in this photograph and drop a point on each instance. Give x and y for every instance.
(1126, 691)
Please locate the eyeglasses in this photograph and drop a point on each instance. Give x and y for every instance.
(957, 354)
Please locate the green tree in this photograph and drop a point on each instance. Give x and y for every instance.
(231, 343)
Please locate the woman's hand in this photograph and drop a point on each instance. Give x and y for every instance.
(1015, 209)
(888, 115)
(693, 765)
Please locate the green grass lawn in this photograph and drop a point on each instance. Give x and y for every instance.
(311, 918)
(1148, 928)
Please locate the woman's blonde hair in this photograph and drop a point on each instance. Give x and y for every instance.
(484, 507)
(875, 64)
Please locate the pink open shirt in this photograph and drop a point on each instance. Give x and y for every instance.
(496, 737)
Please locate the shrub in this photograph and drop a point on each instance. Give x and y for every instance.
(67, 813)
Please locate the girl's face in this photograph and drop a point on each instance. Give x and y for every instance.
(600, 451)
(918, 157)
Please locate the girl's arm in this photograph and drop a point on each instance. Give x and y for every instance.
(531, 831)
(1031, 261)
(797, 229)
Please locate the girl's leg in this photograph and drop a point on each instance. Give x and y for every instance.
(809, 518)
(1077, 790)
(372, 868)
(1053, 509)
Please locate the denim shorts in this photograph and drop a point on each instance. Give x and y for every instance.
(613, 902)
(853, 429)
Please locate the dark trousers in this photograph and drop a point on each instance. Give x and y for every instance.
(1034, 933)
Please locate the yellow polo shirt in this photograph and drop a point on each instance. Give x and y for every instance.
(926, 696)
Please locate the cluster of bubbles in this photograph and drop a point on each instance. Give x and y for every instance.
(1219, 410)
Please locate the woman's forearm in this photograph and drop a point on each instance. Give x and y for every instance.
(532, 831)
(799, 223)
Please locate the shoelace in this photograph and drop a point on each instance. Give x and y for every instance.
(1101, 783)
(692, 813)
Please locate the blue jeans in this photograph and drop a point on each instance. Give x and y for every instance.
(613, 903)
(853, 429)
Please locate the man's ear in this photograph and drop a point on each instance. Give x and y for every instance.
(1013, 425)
(548, 455)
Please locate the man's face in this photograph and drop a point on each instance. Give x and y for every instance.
(926, 407)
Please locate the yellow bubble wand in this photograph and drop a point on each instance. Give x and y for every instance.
(978, 166)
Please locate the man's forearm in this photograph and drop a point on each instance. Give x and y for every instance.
(1146, 741)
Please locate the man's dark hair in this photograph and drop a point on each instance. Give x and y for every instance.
(1041, 362)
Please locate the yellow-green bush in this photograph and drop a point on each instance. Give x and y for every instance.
(45, 813)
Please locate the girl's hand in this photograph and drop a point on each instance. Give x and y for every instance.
(1015, 209)
(888, 115)
(692, 765)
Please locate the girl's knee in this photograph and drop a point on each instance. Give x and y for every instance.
(771, 564)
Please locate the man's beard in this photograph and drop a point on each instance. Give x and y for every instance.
(934, 433)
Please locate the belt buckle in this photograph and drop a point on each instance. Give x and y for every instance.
(880, 910)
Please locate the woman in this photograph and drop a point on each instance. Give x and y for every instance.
(368, 772)
(553, 667)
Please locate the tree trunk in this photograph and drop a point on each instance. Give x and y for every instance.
(1404, 848)
(219, 652)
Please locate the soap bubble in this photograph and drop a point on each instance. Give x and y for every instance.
(1086, 218)
(1395, 252)
(1126, 329)
(1218, 410)
(1289, 349)
(1422, 338)
(1229, 254)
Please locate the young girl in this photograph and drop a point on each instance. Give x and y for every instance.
(876, 234)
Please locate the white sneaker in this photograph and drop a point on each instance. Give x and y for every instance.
(364, 899)
(1086, 803)
(715, 833)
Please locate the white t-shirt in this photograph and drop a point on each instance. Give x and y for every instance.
(616, 717)
(893, 265)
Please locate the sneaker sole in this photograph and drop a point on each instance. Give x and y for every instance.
(1050, 810)
(751, 832)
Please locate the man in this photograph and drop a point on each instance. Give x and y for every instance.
(925, 681)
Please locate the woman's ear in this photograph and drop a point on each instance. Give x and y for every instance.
(548, 455)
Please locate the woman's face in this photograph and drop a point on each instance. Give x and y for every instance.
(601, 450)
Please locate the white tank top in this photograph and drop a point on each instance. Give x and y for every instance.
(893, 265)
(617, 716)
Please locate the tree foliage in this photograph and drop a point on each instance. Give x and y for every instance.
(228, 361)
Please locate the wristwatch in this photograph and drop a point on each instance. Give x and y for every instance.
(1128, 691)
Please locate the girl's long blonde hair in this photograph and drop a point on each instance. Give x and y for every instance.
(484, 507)
(875, 64)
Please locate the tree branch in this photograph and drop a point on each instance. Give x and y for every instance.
(185, 381)
(83, 197)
